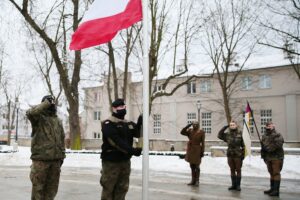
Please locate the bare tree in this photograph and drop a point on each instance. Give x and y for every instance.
(229, 42)
(171, 36)
(46, 25)
(285, 35)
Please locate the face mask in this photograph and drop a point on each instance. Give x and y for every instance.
(52, 108)
(120, 113)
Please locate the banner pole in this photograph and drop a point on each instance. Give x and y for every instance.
(145, 103)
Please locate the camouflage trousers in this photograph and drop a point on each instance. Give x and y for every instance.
(274, 169)
(235, 165)
(114, 180)
(44, 176)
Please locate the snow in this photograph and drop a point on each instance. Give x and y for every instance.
(252, 166)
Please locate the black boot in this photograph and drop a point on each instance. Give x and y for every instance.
(238, 183)
(197, 175)
(193, 178)
(233, 183)
(271, 187)
(275, 191)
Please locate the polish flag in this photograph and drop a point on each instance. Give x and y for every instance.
(103, 20)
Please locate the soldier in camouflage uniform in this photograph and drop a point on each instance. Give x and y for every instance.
(47, 149)
(273, 155)
(117, 150)
(195, 149)
(235, 153)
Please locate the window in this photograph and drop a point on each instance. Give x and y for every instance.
(157, 88)
(191, 117)
(205, 86)
(4, 116)
(247, 83)
(265, 81)
(206, 122)
(191, 88)
(96, 96)
(97, 115)
(157, 124)
(265, 116)
(97, 135)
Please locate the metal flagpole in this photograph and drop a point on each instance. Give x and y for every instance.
(145, 102)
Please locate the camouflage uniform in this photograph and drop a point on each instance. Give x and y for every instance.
(47, 151)
(273, 155)
(116, 153)
(235, 154)
(195, 151)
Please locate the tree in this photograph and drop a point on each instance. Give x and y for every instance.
(174, 25)
(284, 36)
(228, 41)
(46, 25)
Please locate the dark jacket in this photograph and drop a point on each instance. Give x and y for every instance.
(196, 145)
(118, 137)
(272, 142)
(234, 140)
(48, 136)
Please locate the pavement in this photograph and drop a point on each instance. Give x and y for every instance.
(83, 184)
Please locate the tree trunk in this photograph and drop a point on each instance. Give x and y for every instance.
(75, 136)
(226, 105)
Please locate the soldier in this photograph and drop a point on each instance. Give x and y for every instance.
(273, 155)
(235, 153)
(47, 149)
(195, 149)
(117, 150)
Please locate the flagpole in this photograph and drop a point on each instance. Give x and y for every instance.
(145, 102)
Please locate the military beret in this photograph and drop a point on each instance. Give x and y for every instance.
(118, 102)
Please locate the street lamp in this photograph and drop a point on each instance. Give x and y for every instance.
(17, 121)
(198, 107)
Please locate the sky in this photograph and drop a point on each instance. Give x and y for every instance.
(253, 166)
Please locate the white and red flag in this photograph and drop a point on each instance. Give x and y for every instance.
(246, 130)
(103, 20)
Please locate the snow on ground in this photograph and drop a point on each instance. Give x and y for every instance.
(253, 166)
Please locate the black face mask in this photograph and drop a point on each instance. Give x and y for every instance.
(120, 113)
(52, 108)
(268, 130)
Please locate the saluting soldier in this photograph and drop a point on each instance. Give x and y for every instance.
(195, 149)
(117, 150)
(47, 149)
(273, 155)
(235, 153)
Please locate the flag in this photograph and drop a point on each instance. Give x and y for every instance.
(246, 131)
(103, 20)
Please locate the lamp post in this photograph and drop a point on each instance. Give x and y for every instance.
(17, 121)
(198, 107)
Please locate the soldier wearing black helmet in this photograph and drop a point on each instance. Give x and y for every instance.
(117, 149)
(47, 149)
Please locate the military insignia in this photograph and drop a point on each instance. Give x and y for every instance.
(130, 126)
(107, 122)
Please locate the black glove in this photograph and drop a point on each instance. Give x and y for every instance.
(188, 126)
(136, 151)
(225, 127)
(140, 121)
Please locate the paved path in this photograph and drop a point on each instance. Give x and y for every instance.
(83, 184)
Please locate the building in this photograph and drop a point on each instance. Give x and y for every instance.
(273, 93)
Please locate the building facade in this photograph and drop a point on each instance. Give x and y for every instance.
(273, 93)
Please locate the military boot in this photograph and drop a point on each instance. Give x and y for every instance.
(275, 191)
(238, 183)
(233, 183)
(197, 175)
(271, 187)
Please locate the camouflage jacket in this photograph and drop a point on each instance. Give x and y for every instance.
(48, 136)
(118, 137)
(234, 141)
(273, 146)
